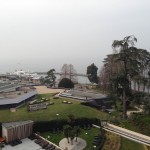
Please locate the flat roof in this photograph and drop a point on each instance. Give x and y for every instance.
(18, 99)
(14, 124)
(26, 144)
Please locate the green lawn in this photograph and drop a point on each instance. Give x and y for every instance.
(87, 135)
(145, 119)
(130, 145)
(60, 108)
(127, 144)
(64, 110)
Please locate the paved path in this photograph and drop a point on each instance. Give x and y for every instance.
(79, 145)
(140, 138)
(139, 110)
(26, 144)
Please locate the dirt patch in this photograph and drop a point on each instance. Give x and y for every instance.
(45, 90)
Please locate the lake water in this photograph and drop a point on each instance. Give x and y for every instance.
(80, 79)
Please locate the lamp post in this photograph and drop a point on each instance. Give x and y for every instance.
(57, 115)
(94, 146)
(109, 116)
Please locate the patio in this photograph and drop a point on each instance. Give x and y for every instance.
(26, 144)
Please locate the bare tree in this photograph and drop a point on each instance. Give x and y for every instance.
(69, 72)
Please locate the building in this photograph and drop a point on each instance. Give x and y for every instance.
(13, 95)
(17, 99)
(17, 130)
(38, 106)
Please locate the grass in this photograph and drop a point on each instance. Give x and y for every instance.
(130, 145)
(127, 144)
(145, 119)
(64, 110)
(112, 142)
(87, 135)
(58, 107)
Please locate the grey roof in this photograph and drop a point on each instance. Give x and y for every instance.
(9, 87)
(18, 99)
(85, 93)
(14, 124)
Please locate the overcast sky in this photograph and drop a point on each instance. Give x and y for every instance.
(42, 34)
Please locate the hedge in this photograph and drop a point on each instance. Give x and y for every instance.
(58, 124)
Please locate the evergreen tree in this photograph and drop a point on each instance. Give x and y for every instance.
(92, 73)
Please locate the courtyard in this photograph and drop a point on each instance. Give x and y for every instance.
(26, 144)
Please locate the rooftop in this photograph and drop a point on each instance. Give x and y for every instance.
(26, 144)
(20, 98)
(14, 124)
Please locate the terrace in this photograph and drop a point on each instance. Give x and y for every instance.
(6, 87)
(26, 144)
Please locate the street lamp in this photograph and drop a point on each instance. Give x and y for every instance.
(94, 146)
(57, 115)
(109, 115)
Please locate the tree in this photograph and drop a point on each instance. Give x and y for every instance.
(50, 78)
(66, 83)
(71, 119)
(68, 71)
(125, 56)
(127, 64)
(147, 105)
(72, 135)
(71, 132)
(77, 131)
(92, 73)
(67, 131)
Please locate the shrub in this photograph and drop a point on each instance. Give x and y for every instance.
(44, 126)
(56, 97)
(66, 83)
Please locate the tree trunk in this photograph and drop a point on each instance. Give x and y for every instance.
(124, 91)
(124, 104)
(144, 87)
(76, 138)
(68, 140)
(71, 141)
(138, 86)
(134, 85)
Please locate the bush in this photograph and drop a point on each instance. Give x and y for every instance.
(90, 105)
(56, 97)
(45, 126)
(66, 83)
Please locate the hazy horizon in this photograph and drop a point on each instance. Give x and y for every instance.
(39, 35)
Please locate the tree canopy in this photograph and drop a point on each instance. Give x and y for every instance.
(66, 83)
(92, 73)
(126, 65)
(50, 78)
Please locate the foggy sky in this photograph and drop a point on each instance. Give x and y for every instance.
(38, 35)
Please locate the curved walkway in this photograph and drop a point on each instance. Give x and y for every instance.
(79, 145)
(139, 110)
